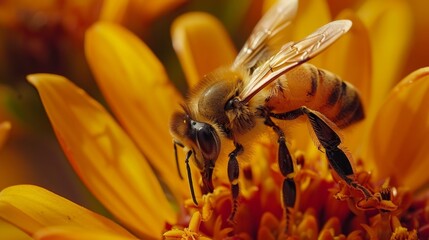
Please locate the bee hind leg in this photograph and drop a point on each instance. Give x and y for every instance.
(330, 141)
(286, 167)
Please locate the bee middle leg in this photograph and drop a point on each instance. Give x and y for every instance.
(286, 167)
(330, 141)
(233, 174)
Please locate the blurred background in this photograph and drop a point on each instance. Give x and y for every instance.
(47, 36)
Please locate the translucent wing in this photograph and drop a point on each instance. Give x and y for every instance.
(257, 45)
(292, 54)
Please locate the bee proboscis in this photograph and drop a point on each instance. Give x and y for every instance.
(265, 84)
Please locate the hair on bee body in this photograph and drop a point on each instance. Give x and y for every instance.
(268, 82)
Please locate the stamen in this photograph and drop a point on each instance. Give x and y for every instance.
(247, 173)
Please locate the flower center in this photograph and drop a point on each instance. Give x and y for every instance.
(326, 207)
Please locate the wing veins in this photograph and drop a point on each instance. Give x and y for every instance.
(293, 54)
(275, 20)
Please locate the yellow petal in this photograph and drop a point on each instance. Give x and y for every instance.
(151, 9)
(303, 25)
(390, 28)
(202, 45)
(419, 50)
(8, 231)
(4, 132)
(350, 59)
(267, 4)
(350, 56)
(304, 22)
(104, 156)
(113, 10)
(336, 7)
(76, 233)
(137, 89)
(32, 208)
(399, 137)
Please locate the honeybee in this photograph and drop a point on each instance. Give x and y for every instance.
(232, 105)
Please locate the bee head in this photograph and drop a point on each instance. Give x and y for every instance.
(201, 140)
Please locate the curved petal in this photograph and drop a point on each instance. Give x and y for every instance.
(390, 27)
(350, 59)
(336, 7)
(76, 233)
(137, 89)
(303, 25)
(4, 132)
(151, 9)
(419, 50)
(304, 22)
(32, 208)
(399, 139)
(113, 10)
(103, 156)
(202, 45)
(350, 56)
(8, 231)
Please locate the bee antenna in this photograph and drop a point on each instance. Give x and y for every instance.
(188, 170)
(177, 159)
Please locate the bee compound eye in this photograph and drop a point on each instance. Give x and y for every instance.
(208, 142)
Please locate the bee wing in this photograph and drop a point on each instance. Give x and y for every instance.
(292, 54)
(257, 45)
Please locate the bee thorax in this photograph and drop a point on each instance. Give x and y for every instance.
(240, 116)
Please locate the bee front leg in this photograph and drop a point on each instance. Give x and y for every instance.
(233, 174)
(286, 167)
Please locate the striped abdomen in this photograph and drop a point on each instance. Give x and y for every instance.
(319, 90)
